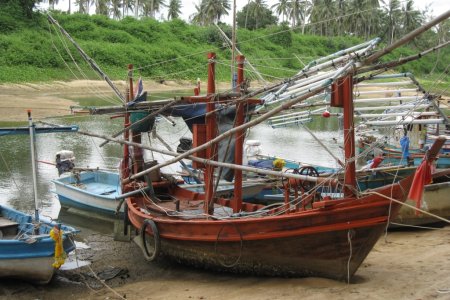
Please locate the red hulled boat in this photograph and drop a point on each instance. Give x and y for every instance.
(326, 238)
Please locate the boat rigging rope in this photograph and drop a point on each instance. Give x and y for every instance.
(370, 192)
(241, 246)
(11, 175)
(96, 91)
(350, 234)
(250, 71)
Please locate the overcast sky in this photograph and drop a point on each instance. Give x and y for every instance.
(436, 7)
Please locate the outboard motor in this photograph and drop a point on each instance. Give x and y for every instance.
(64, 161)
(252, 149)
(185, 145)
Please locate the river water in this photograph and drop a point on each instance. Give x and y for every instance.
(15, 163)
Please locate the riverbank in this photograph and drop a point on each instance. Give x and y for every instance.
(412, 265)
(409, 265)
(55, 99)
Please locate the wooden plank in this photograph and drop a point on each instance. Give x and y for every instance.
(4, 222)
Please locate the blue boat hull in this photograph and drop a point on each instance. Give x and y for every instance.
(31, 256)
(94, 192)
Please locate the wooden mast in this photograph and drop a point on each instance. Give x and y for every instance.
(346, 85)
(211, 133)
(239, 139)
(342, 96)
(125, 168)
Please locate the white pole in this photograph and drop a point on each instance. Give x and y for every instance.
(33, 166)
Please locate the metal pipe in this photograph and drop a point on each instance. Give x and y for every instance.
(33, 166)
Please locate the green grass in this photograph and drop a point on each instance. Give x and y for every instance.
(32, 50)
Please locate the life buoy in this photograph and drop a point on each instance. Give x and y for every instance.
(157, 242)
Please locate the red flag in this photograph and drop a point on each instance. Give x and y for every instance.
(421, 178)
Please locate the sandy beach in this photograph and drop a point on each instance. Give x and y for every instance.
(405, 264)
(54, 99)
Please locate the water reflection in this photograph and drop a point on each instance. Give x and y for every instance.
(16, 180)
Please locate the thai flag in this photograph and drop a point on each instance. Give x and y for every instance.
(139, 88)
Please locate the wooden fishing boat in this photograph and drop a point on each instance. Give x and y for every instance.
(32, 248)
(93, 191)
(330, 239)
(443, 160)
(435, 201)
(307, 237)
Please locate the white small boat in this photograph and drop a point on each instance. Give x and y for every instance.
(93, 191)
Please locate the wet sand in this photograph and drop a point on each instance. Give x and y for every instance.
(54, 99)
(410, 265)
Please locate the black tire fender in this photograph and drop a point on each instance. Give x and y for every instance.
(157, 247)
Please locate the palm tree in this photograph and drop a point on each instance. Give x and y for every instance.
(115, 9)
(394, 16)
(342, 7)
(174, 9)
(126, 6)
(215, 9)
(150, 7)
(300, 10)
(323, 13)
(102, 7)
(411, 18)
(282, 8)
(258, 10)
(51, 4)
(83, 6)
(199, 16)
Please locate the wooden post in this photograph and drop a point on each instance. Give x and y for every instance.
(138, 157)
(239, 139)
(346, 92)
(211, 133)
(125, 164)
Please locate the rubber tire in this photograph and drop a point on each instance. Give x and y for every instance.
(142, 233)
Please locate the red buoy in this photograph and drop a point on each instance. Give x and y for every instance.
(326, 114)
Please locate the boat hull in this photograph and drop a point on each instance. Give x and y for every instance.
(95, 193)
(38, 269)
(435, 200)
(330, 240)
(301, 256)
(30, 257)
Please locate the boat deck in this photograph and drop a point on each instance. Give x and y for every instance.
(99, 188)
(7, 227)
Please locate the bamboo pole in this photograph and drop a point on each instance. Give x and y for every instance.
(342, 72)
(215, 163)
(240, 53)
(324, 147)
(401, 61)
(89, 60)
(183, 165)
(153, 114)
(408, 37)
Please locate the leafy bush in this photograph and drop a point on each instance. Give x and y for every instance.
(162, 50)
